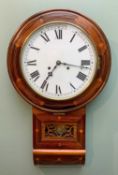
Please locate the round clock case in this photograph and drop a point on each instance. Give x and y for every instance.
(92, 32)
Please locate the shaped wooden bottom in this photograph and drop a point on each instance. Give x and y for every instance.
(59, 138)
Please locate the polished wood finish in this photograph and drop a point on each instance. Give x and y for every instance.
(94, 33)
(59, 150)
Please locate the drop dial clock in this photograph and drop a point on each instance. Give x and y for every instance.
(58, 61)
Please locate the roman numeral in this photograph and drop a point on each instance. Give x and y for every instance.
(35, 48)
(44, 84)
(45, 37)
(35, 75)
(73, 37)
(85, 62)
(31, 63)
(82, 48)
(72, 86)
(58, 89)
(46, 88)
(58, 34)
(81, 76)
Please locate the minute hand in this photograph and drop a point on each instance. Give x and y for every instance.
(81, 67)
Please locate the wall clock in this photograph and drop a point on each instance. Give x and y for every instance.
(58, 61)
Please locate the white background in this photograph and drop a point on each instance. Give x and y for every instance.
(16, 114)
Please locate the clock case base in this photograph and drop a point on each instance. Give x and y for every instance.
(59, 138)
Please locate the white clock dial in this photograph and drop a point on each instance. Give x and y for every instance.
(58, 61)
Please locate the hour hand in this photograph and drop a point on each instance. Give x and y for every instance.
(50, 74)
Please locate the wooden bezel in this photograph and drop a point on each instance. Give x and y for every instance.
(96, 35)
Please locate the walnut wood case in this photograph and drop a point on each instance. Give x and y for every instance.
(59, 127)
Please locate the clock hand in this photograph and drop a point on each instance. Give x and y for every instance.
(67, 64)
(50, 74)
